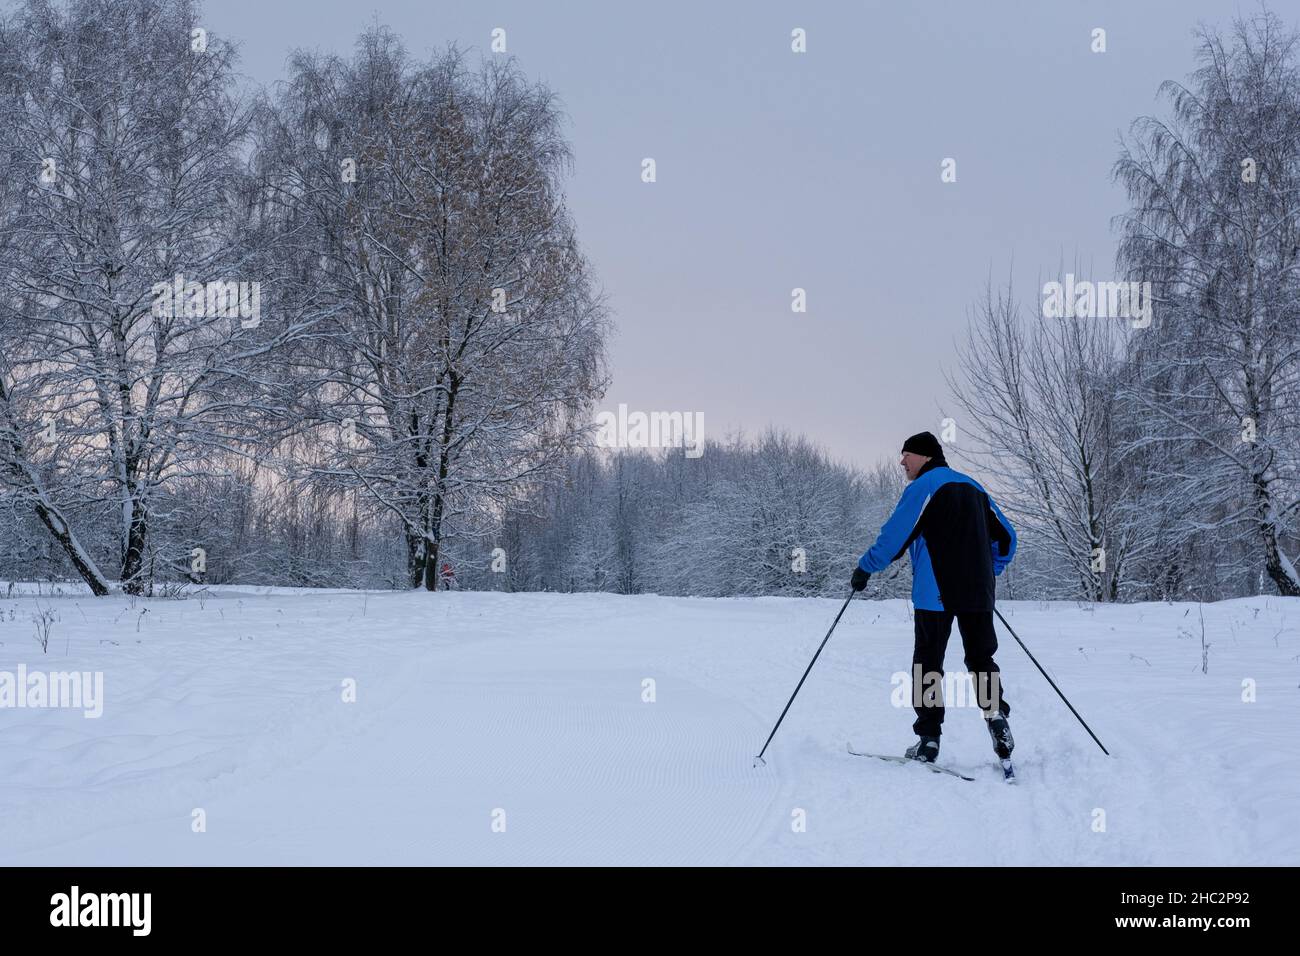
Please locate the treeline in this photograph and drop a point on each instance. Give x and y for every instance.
(343, 334)
(768, 516)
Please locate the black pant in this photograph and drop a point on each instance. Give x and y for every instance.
(978, 641)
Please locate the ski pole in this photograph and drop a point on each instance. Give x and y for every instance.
(1050, 681)
(759, 759)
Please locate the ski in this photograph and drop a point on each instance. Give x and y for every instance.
(905, 760)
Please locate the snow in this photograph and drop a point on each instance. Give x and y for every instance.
(468, 704)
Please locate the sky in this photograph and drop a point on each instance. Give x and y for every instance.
(820, 170)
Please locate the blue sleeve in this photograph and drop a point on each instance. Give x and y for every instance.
(1003, 537)
(893, 536)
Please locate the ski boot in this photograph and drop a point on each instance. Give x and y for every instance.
(926, 750)
(1000, 731)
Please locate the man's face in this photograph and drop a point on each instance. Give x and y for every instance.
(913, 463)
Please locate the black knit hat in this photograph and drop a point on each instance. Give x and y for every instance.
(924, 444)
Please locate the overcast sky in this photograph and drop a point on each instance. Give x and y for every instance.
(820, 170)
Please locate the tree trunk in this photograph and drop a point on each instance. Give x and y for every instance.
(415, 558)
(28, 480)
(134, 580)
(84, 564)
(434, 545)
(444, 466)
(1282, 572)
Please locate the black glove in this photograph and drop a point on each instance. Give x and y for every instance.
(859, 579)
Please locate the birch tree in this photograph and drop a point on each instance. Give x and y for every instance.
(1038, 395)
(1214, 227)
(120, 118)
(466, 334)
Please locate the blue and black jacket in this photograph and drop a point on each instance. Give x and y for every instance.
(958, 540)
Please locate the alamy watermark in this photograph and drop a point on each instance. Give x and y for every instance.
(80, 690)
(76, 908)
(982, 690)
(626, 429)
(1085, 299)
(215, 300)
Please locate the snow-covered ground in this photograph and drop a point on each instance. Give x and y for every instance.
(498, 728)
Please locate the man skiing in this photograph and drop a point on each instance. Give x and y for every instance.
(958, 541)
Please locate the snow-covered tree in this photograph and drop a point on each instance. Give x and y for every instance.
(125, 139)
(464, 338)
(1215, 227)
(1038, 397)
